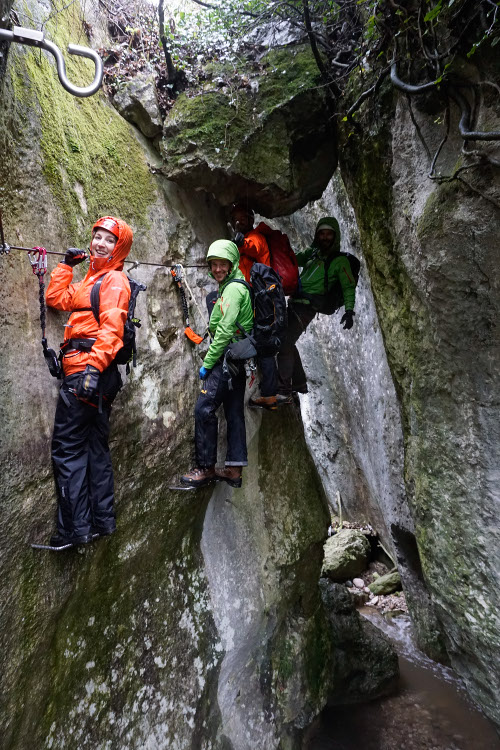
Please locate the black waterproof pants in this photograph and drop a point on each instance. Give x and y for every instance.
(291, 373)
(268, 375)
(216, 391)
(81, 459)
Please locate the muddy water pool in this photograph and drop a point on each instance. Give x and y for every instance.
(429, 711)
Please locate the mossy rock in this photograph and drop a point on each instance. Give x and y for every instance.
(346, 555)
(272, 143)
(387, 584)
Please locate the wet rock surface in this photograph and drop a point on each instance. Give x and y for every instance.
(366, 663)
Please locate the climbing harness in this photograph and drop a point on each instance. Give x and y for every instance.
(178, 277)
(38, 260)
(33, 38)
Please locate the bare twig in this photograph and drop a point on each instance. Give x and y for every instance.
(372, 90)
(443, 141)
(417, 128)
(479, 192)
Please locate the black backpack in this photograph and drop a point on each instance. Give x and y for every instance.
(269, 308)
(332, 299)
(129, 350)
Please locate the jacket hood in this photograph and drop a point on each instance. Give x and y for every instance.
(122, 248)
(329, 222)
(226, 250)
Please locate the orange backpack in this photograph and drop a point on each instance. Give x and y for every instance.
(283, 259)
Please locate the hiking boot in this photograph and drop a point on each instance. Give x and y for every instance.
(264, 402)
(198, 477)
(283, 399)
(229, 474)
(58, 540)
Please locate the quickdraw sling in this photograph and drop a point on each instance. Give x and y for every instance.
(177, 276)
(38, 260)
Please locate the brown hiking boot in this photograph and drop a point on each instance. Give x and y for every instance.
(229, 474)
(198, 476)
(264, 402)
(283, 399)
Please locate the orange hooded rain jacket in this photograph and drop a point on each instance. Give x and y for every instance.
(113, 305)
(254, 250)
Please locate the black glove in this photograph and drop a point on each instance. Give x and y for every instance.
(74, 256)
(239, 239)
(88, 383)
(347, 319)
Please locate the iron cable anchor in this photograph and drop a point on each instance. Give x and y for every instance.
(34, 38)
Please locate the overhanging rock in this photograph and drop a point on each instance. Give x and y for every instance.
(271, 143)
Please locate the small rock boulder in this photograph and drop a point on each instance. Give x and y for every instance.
(387, 584)
(137, 102)
(346, 555)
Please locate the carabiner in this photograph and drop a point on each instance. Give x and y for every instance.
(38, 260)
(34, 38)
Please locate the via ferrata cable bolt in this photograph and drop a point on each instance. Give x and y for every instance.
(38, 260)
(176, 272)
(4, 248)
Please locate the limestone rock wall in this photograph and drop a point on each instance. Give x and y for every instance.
(352, 416)
(431, 252)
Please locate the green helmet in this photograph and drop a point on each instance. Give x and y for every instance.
(226, 250)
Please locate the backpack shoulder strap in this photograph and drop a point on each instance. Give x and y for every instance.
(94, 297)
(135, 288)
(238, 281)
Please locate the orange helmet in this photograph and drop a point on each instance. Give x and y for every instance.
(109, 223)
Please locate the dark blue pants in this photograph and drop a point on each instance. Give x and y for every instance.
(216, 392)
(81, 459)
(290, 370)
(268, 375)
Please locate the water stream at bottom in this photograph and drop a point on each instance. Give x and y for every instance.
(430, 710)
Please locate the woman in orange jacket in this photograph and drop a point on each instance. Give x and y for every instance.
(80, 451)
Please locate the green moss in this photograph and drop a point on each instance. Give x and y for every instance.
(86, 146)
(319, 656)
(218, 123)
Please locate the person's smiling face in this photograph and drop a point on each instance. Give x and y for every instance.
(220, 269)
(103, 243)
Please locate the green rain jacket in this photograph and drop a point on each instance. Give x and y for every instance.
(233, 304)
(312, 277)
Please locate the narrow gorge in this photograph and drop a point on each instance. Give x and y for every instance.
(205, 622)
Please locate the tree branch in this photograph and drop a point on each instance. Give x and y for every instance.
(171, 71)
(334, 89)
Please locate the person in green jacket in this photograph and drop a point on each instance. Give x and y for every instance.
(233, 304)
(322, 266)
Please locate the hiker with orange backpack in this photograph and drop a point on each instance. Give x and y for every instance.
(327, 281)
(80, 451)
